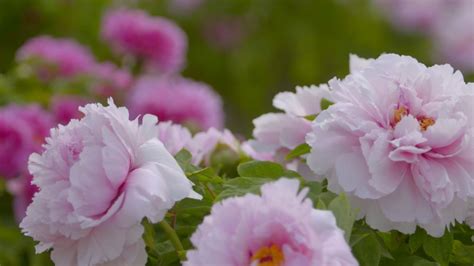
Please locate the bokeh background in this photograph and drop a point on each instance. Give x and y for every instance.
(247, 50)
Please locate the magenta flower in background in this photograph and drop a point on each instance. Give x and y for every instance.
(156, 40)
(66, 107)
(224, 33)
(177, 99)
(22, 130)
(203, 144)
(98, 177)
(23, 190)
(454, 36)
(174, 136)
(288, 231)
(56, 57)
(276, 134)
(399, 140)
(110, 80)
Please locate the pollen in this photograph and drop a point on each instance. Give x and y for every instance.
(425, 122)
(399, 114)
(268, 256)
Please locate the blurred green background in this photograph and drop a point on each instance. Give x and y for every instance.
(248, 50)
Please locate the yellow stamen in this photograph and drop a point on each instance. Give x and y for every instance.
(399, 114)
(269, 256)
(425, 122)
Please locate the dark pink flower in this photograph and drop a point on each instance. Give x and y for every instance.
(110, 80)
(65, 108)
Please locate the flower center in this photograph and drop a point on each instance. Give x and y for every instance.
(423, 121)
(268, 256)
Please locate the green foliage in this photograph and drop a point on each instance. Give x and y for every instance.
(301, 149)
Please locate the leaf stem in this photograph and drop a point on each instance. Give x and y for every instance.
(173, 237)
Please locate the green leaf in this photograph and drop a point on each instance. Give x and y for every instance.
(462, 254)
(183, 157)
(325, 103)
(367, 251)
(409, 261)
(439, 248)
(298, 151)
(416, 240)
(242, 185)
(261, 169)
(344, 214)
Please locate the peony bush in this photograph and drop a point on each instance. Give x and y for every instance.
(128, 162)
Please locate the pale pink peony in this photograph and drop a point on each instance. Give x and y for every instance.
(454, 36)
(409, 15)
(177, 99)
(205, 143)
(399, 141)
(174, 136)
(23, 190)
(22, 130)
(110, 80)
(279, 133)
(55, 57)
(98, 178)
(287, 231)
(66, 107)
(156, 40)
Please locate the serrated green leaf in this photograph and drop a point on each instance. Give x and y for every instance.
(261, 169)
(439, 248)
(298, 151)
(242, 185)
(367, 251)
(344, 214)
(462, 254)
(416, 240)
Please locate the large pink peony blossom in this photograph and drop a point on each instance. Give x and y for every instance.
(177, 99)
(22, 130)
(399, 140)
(278, 228)
(66, 107)
(55, 57)
(276, 134)
(158, 41)
(454, 36)
(98, 178)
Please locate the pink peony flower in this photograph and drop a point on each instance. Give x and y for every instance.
(454, 36)
(65, 108)
(279, 133)
(399, 141)
(175, 137)
(23, 190)
(177, 99)
(98, 178)
(56, 57)
(160, 42)
(204, 144)
(110, 80)
(419, 15)
(22, 130)
(288, 231)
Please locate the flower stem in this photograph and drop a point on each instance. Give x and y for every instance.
(173, 237)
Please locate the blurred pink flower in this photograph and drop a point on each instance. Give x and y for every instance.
(177, 99)
(98, 178)
(224, 33)
(56, 57)
(183, 7)
(158, 41)
(288, 231)
(23, 190)
(279, 133)
(203, 144)
(22, 130)
(454, 36)
(66, 107)
(110, 80)
(399, 140)
(174, 136)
